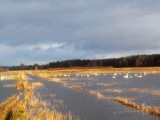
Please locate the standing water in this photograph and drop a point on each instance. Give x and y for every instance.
(142, 88)
(7, 89)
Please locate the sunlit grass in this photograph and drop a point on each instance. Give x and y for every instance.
(97, 94)
(13, 75)
(76, 87)
(144, 108)
(92, 71)
(6, 107)
(30, 107)
(18, 112)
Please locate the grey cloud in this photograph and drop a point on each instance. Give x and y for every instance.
(85, 28)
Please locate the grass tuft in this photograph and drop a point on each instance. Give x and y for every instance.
(144, 108)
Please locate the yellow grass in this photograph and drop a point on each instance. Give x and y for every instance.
(6, 106)
(144, 108)
(90, 71)
(13, 109)
(13, 75)
(30, 108)
(76, 87)
(97, 94)
(36, 106)
(54, 115)
(98, 70)
(19, 112)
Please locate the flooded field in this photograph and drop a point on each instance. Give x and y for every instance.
(7, 89)
(102, 96)
(7, 84)
(93, 96)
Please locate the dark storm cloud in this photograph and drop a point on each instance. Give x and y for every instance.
(38, 30)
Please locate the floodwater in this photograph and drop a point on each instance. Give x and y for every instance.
(7, 89)
(88, 107)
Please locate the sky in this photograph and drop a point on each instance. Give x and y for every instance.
(42, 31)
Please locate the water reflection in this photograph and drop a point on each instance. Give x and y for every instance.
(110, 85)
(7, 89)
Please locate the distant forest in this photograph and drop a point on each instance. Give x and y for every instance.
(129, 61)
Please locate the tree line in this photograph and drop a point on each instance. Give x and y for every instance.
(129, 61)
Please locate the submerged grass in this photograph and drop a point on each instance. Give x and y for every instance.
(107, 84)
(38, 108)
(146, 91)
(144, 108)
(124, 101)
(97, 94)
(13, 75)
(30, 107)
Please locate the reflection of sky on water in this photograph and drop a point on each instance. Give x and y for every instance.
(120, 81)
(88, 107)
(6, 92)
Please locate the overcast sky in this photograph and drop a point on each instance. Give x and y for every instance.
(41, 31)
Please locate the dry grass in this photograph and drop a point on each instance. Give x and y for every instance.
(13, 75)
(30, 108)
(97, 94)
(13, 109)
(19, 112)
(105, 69)
(37, 112)
(96, 70)
(25, 85)
(76, 87)
(54, 115)
(88, 71)
(6, 106)
(144, 108)
(36, 107)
